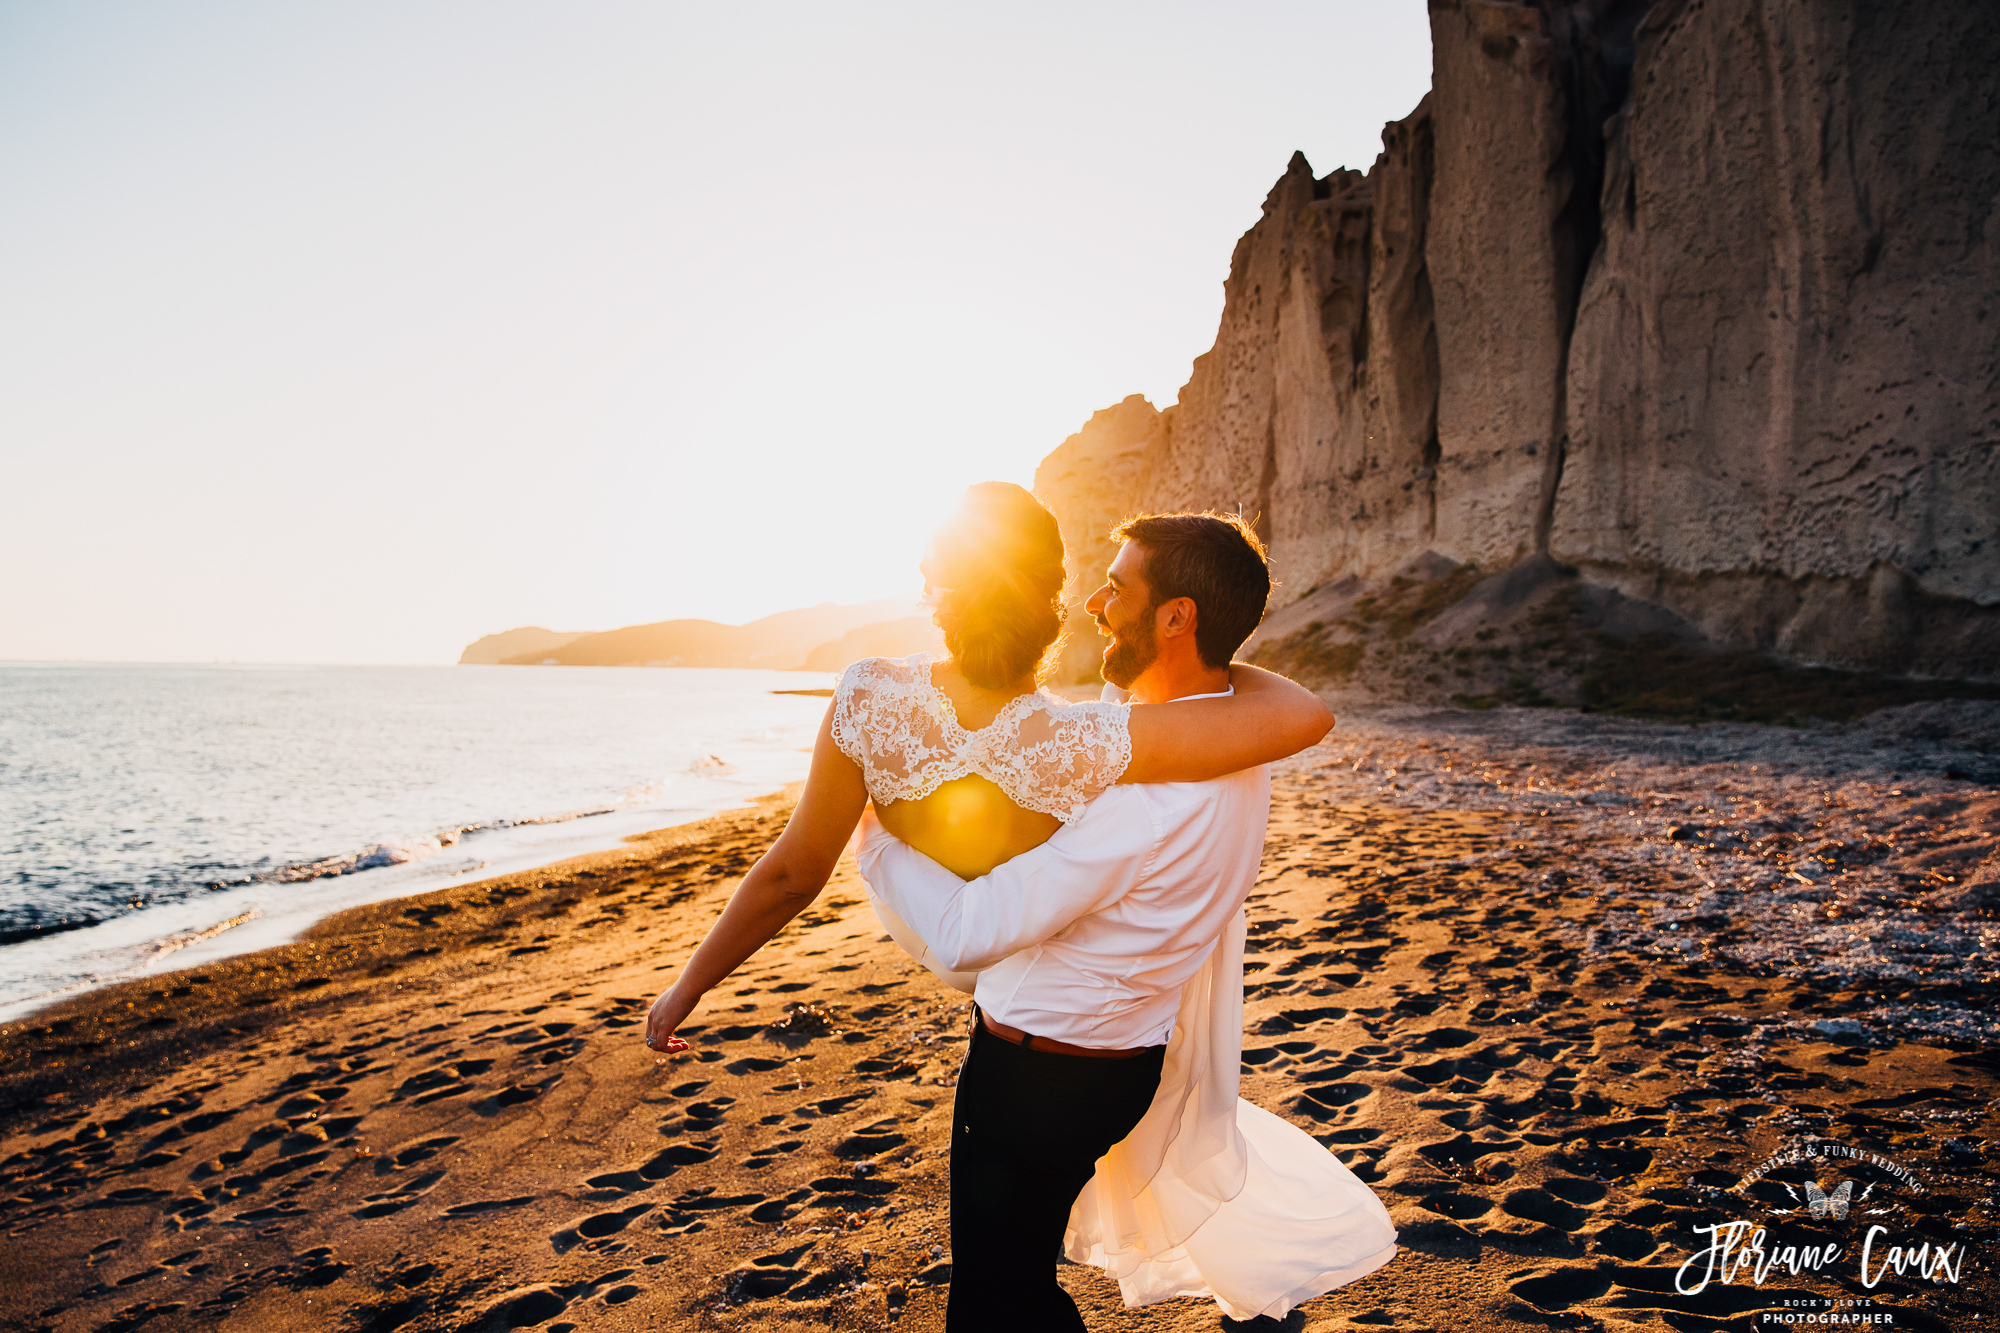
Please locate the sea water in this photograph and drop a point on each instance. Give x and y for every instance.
(153, 817)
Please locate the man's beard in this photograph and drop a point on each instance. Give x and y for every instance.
(1131, 651)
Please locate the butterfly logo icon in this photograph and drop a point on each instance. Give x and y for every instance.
(1832, 1205)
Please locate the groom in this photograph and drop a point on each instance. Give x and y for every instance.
(1083, 944)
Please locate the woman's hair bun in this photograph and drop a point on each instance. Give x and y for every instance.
(1001, 558)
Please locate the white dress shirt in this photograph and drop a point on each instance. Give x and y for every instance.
(1089, 938)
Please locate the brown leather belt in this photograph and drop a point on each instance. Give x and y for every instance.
(1050, 1044)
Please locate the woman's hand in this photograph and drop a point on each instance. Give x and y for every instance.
(668, 1013)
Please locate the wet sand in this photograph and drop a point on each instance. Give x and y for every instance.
(1550, 983)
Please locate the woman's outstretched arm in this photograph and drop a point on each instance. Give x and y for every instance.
(782, 884)
(1194, 740)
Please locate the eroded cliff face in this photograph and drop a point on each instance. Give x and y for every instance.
(1695, 298)
(1315, 413)
(1501, 274)
(1785, 379)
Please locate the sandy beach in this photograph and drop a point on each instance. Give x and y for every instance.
(1551, 983)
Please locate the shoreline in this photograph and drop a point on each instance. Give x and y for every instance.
(352, 786)
(337, 957)
(236, 926)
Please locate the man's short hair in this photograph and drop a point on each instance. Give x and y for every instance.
(1216, 560)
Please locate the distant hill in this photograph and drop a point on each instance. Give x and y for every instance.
(890, 638)
(531, 641)
(781, 642)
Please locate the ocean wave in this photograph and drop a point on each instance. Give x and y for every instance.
(182, 938)
(29, 921)
(378, 855)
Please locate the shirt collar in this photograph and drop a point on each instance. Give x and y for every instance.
(1123, 697)
(1212, 694)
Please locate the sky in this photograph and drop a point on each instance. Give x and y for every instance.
(350, 333)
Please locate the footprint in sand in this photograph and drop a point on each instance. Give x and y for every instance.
(449, 1080)
(779, 1210)
(1331, 1101)
(684, 1214)
(658, 1168)
(386, 1205)
(754, 1283)
(871, 1140)
(598, 1226)
(707, 1115)
(520, 1308)
(1455, 1155)
(1581, 1192)
(778, 1275)
(134, 1317)
(852, 1193)
(514, 1094)
(1458, 1207)
(1606, 1161)
(484, 1206)
(1557, 1291)
(310, 1103)
(420, 1151)
(557, 1050)
(1534, 1205)
(763, 1157)
(830, 1106)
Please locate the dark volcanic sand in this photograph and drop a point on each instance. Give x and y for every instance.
(1551, 983)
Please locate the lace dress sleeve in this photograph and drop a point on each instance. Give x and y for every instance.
(850, 698)
(1057, 757)
(887, 719)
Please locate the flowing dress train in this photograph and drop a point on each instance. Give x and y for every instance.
(1212, 1196)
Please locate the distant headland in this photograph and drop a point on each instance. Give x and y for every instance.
(815, 638)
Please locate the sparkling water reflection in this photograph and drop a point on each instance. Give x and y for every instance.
(154, 797)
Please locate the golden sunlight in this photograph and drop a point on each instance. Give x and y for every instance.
(968, 826)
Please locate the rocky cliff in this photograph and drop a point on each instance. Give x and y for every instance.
(1691, 304)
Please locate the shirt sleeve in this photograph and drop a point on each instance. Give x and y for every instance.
(969, 925)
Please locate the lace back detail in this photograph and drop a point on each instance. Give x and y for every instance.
(1046, 754)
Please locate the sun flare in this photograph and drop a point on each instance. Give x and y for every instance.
(968, 826)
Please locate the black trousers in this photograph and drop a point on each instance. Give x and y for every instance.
(1027, 1130)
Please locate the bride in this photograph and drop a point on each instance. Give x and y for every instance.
(970, 764)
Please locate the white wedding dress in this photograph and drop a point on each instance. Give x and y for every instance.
(1208, 1195)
